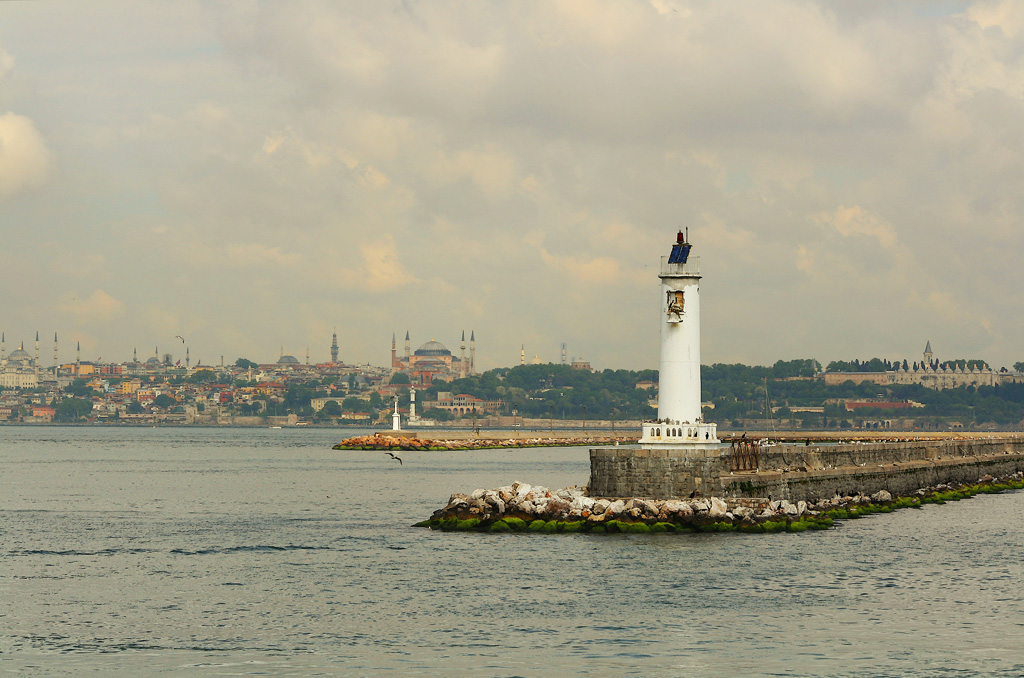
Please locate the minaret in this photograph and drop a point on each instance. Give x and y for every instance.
(55, 361)
(462, 359)
(78, 359)
(187, 358)
(36, 365)
(334, 346)
(3, 348)
(135, 355)
(412, 403)
(307, 355)
(408, 354)
(928, 352)
(472, 352)
(565, 349)
(680, 424)
(394, 354)
(522, 354)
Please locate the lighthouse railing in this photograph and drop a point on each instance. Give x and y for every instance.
(691, 267)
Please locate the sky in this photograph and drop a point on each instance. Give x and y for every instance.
(252, 176)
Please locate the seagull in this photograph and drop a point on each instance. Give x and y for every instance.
(178, 336)
(394, 457)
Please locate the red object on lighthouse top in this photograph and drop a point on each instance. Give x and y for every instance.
(680, 238)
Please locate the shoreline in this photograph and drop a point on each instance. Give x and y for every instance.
(523, 508)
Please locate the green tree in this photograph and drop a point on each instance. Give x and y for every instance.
(353, 404)
(135, 407)
(1018, 367)
(164, 401)
(400, 378)
(245, 363)
(330, 409)
(72, 409)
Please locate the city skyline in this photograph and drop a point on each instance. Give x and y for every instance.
(320, 354)
(252, 175)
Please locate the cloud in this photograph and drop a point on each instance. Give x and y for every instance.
(24, 158)
(856, 221)
(1006, 15)
(379, 270)
(99, 307)
(6, 62)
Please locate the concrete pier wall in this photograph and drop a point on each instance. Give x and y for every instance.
(803, 472)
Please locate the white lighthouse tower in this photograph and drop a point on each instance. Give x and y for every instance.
(680, 425)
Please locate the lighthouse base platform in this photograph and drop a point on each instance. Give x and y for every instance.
(697, 439)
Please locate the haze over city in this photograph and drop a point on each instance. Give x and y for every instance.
(252, 176)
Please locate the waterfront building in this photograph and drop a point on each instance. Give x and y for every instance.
(929, 373)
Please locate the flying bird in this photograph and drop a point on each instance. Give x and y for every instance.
(396, 458)
(178, 336)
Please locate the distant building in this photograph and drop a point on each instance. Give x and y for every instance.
(929, 373)
(463, 404)
(581, 364)
(19, 369)
(433, 360)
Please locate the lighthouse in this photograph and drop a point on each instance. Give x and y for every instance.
(680, 425)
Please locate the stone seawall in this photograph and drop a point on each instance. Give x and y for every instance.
(808, 473)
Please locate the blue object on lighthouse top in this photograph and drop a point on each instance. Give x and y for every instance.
(680, 250)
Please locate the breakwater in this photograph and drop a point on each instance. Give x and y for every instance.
(521, 507)
(398, 442)
(802, 472)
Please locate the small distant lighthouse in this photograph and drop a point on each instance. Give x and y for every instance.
(680, 424)
(396, 418)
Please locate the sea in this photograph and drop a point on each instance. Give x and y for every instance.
(262, 552)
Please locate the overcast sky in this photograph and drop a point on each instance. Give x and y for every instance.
(251, 175)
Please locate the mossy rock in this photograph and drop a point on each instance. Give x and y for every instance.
(467, 524)
(663, 527)
(499, 526)
(773, 525)
(798, 526)
(552, 526)
(517, 524)
(637, 528)
(426, 523)
(614, 526)
(537, 525)
(572, 526)
(597, 528)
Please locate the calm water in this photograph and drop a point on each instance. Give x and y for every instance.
(208, 552)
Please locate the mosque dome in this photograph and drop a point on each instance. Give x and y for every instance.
(153, 361)
(288, 360)
(19, 355)
(433, 348)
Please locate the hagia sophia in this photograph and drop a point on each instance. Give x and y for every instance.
(433, 360)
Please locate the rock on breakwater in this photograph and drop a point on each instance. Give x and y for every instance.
(522, 507)
(379, 441)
